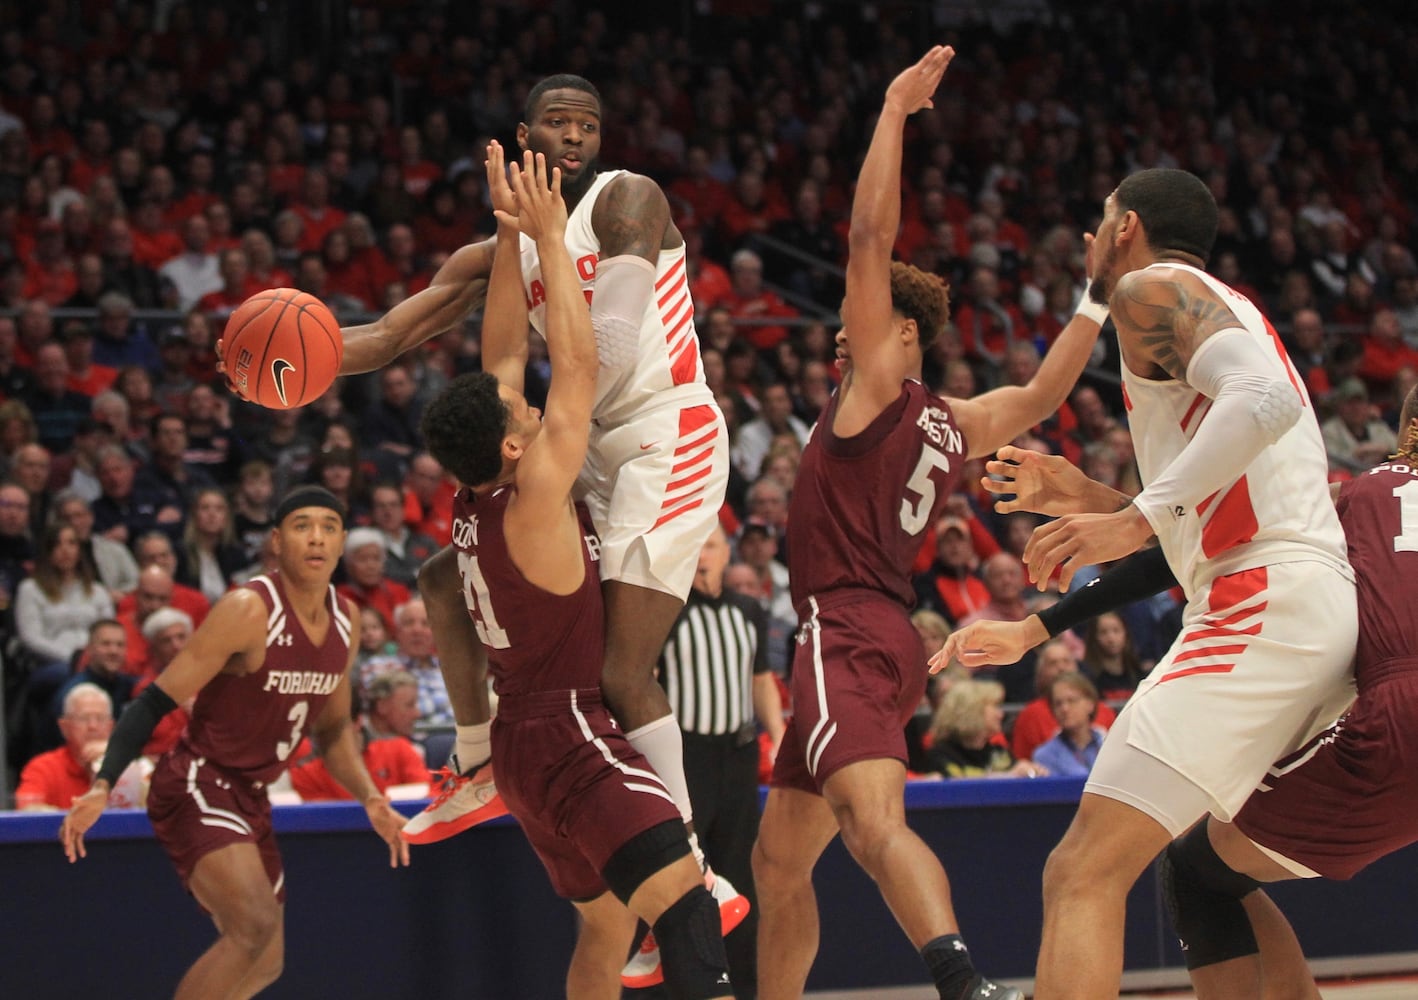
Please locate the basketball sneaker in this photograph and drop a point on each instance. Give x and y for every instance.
(986, 990)
(463, 801)
(644, 970)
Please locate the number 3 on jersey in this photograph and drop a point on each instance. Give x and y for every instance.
(479, 603)
(916, 512)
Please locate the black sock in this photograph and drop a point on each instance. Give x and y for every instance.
(950, 965)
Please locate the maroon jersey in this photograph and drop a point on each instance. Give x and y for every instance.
(860, 504)
(535, 640)
(251, 724)
(1379, 511)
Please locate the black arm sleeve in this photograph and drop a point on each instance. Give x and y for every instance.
(1139, 576)
(134, 729)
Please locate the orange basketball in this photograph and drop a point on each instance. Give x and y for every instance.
(282, 348)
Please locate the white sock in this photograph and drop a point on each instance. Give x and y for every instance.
(661, 743)
(473, 745)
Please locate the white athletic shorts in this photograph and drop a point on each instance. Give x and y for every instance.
(654, 485)
(1263, 662)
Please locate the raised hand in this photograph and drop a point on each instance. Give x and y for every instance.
(504, 202)
(913, 89)
(542, 210)
(1043, 484)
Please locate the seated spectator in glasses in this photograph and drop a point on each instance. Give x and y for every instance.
(209, 545)
(405, 550)
(967, 740)
(366, 583)
(416, 654)
(1035, 724)
(52, 780)
(1073, 750)
(386, 737)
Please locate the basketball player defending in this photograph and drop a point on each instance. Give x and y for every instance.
(1238, 944)
(1235, 473)
(272, 657)
(657, 465)
(882, 460)
(595, 813)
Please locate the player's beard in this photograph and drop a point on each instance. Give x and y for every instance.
(573, 190)
(1101, 290)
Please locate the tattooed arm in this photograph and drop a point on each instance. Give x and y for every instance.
(1170, 321)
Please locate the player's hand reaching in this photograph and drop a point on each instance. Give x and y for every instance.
(84, 813)
(913, 89)
(504, 202)
(1043, 484)
(387, 823)
(541, 209)
(986, 643)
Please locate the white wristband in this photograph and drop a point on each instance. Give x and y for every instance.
(1087, 307)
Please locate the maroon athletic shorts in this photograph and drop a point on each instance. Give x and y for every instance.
(574, 782)
(196, 809)
(858, 675)
(1350, 795)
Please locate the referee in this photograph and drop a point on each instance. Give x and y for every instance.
(715, 669)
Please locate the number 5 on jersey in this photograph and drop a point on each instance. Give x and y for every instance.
(915, 513)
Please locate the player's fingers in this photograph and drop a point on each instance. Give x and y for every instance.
(556, 181)
(505, 218)
(403, 851)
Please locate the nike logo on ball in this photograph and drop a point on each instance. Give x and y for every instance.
(279, 367)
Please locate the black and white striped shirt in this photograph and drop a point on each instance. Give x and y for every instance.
(707, 667)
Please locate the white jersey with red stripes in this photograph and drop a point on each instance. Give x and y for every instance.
(667, 368)
(1278, 511)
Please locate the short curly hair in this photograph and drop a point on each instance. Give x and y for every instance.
(464, 426)
(1408, 443)
(923, 297)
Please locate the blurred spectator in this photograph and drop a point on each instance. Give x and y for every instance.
(392, 423)
(416, 655)
(17, 429)
(127, 509)
(775, 417)
(428, 497)
(1072, 751)
(757, 549)
(252, 506)
(966, 736)
(1385, 352)
(166, 473)
(16, 553)
(1109, 659)
(1003, 574)
(211, 554)
(750, 303)
(29, 468)
(122, 272)
(86, 377)
(1308, 350)
(34, 328)
(1355, 438)
(405, 550)
(119, 343)
(374, 639)
(54, 779)
(195, 271)
(88, 272)
(366, 583)
(987, 321)
(173, 379)
(385, 736)
(112, 561)
(263, 271)
(49, 275)
(102, 666)
(15, 379)
(166, 632)
(55, 607)
(950, 586)
(236, 286)
(317, 216)
(338, 470)
(1035, 723)
(56, 408)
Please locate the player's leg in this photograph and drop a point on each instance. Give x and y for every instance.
(661, 883)
(469, 794)
(1239, 943)
(795, 829)
(607, 929)
(269, 966)
(233, 885)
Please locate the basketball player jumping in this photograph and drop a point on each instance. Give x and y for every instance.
(595, 814)
(272, 658)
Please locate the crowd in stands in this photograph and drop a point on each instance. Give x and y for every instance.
(160, 162)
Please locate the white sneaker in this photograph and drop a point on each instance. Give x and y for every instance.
(733, 905)
(644, 969)
(465, 800)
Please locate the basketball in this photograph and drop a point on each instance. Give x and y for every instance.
(282, 348)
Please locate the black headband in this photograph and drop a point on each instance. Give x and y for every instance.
(308, 496)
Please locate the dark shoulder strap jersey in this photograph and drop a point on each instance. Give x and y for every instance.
(1379, 511)
(860, 504)
(250, 724)
(535, 640)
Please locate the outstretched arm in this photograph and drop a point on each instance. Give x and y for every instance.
(1046, 484)
(875, 378)
(451, 297)
(504, 346)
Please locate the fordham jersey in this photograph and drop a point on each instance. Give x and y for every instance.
(1278, 511)
(535, 640)
(1380, 513)
(250, 724)
(860, 504)
(666, 368)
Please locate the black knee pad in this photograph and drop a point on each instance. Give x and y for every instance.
(692, 947)
(643, 855)
(1203, 896)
